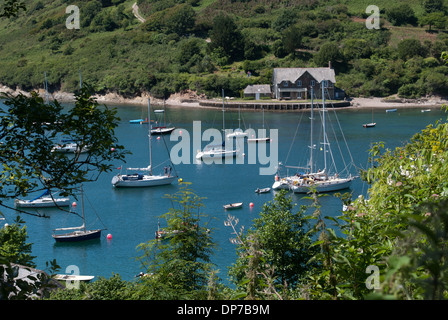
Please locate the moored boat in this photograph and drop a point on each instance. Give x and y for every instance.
(146, 179)
(262, 190)
(78, 234)
(231, 206)
(45, 200)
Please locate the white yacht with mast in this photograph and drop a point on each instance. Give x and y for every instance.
(146, 179)
(238, 133)
(79, 233)
(320, 181)
(260, 139)
(218, 150)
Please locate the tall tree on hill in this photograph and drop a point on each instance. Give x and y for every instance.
(432, 5)
(226, 35)
(328, 52)
(10, 8)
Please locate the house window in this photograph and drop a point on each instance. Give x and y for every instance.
(285, 83)
(312, 83)
(299, 83)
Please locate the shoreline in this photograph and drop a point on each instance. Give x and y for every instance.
(190, 99)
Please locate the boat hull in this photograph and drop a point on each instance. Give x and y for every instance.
(233, 206)
(43, 203)
(119, 181)
(324, 186)
(162, 130)
(216, 154)
(258, 140)
(285, 183)
(264, 190)
(77, 236)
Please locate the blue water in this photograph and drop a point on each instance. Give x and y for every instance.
(131, 215)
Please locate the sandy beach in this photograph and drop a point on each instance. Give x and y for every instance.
(193, 100)
(433, 102)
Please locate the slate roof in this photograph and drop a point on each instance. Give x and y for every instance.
(258, 88)
(292, 74)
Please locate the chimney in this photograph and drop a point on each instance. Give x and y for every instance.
(329, 64)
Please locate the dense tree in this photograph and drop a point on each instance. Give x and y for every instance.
(280, 239)
(13, 245)
(329, 52)
(181, 19)
(226, 35)
(409, 48)
(401, 14)
(179, 264)
(291, 39)
(434, 19)
(432, 5)
(11, 8)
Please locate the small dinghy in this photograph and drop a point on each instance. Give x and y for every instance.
(231, 206)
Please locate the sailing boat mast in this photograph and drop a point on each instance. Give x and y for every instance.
(223, 110)
(82, 208)
(311, 133)
(264, 131)
(323, 124)
(149, 135)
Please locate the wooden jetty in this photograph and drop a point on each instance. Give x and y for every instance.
(268, 105)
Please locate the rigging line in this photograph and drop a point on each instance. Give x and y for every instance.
(295, 134)
(343, 136)
(93, 208)
(166, 147)
(338, 145)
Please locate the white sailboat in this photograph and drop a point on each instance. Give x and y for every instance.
(79, 233)
(238, 133)
(320, 181)
(260, 139)
(69, 147)
(162, 129)
(217, 150)
(45, 200)
(147, 179)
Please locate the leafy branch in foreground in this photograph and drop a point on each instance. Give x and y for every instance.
(30, 129)
(178, 263)
(274, 253)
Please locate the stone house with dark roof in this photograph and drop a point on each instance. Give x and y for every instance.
(296, 83)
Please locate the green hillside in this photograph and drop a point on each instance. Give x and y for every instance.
(206, 45)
